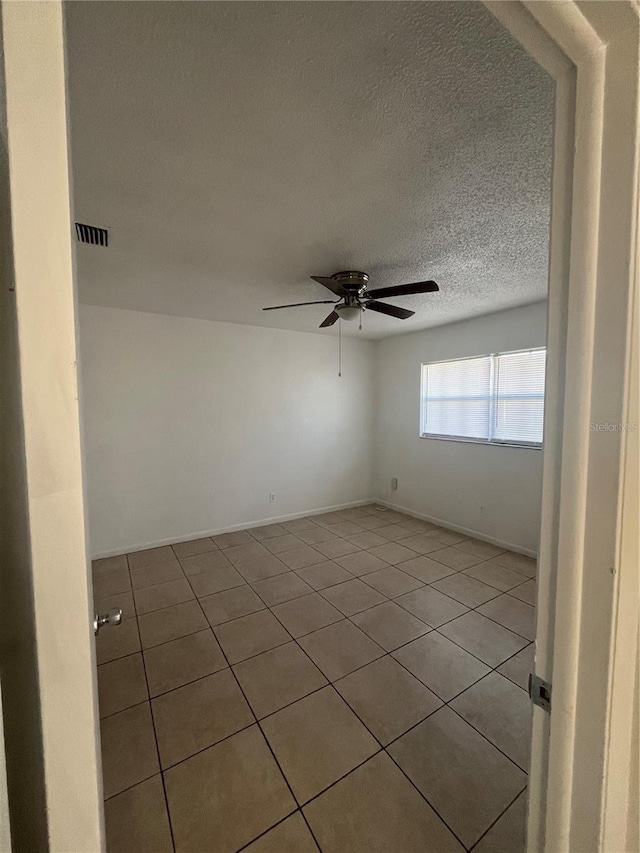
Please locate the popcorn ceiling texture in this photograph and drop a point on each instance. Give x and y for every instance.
(234, 149)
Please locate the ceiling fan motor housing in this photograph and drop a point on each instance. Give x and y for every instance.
(354, 282)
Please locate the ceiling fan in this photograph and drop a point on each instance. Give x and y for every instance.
(351, 288)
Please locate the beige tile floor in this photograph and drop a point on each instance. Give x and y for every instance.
(349, 682)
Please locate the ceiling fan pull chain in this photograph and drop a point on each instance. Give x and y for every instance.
(339, 347)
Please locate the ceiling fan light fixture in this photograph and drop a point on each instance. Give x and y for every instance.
(354, 297)
(348, 312)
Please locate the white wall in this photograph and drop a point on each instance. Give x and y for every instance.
(492, 491)
(189, 424)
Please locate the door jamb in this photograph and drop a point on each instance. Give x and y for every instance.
(59, 609)
(578, 782)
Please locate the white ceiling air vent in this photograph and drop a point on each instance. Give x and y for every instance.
(91, 234)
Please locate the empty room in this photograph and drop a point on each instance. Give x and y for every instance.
(316, 525)
(318, 504)
(320, 522)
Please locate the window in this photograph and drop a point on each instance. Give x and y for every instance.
(495, 398)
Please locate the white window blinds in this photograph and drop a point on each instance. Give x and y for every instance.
(495, 398)
(519, 405)
(456, 398)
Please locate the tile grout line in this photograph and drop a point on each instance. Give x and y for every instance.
(269, 747)
(385, 653)
(444, 704)
(502, 813)
(515, 763)
(303, 544)
(330, 684)
(191, 755)
(344, 617)
(383, 747)
(264, 737)
(469, 609)
(444, 701)
(442, 624)
(435, 811)
(281, 821)
(135, 784)
(155, 733)
(351, 672)
(147, 701)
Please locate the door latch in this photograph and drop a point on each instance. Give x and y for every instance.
(111, 617)
(540, 692)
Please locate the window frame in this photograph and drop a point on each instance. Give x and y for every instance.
(531, 445)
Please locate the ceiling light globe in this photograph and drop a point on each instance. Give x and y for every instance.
(348, 312)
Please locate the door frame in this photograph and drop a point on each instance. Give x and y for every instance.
(57, 607)
(586, 620)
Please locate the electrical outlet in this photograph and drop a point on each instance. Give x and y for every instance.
(272, 498)
(394, 484)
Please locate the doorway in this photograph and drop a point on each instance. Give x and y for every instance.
(564, 818)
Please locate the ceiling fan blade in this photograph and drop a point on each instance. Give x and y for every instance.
(297, 304)
(404, 289)
(391, 310)
(330, 320)
(331, 283)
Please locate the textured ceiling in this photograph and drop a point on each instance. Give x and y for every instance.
(233, 149)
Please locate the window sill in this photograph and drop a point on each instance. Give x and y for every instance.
(481, 441)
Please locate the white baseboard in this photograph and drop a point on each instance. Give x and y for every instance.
(467, 531)
(276, 519)
(173, 540)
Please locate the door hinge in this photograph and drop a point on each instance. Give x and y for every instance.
(540, 691)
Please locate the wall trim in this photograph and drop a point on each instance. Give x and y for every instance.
(468, 531)
(231, 528)
(277, 519)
